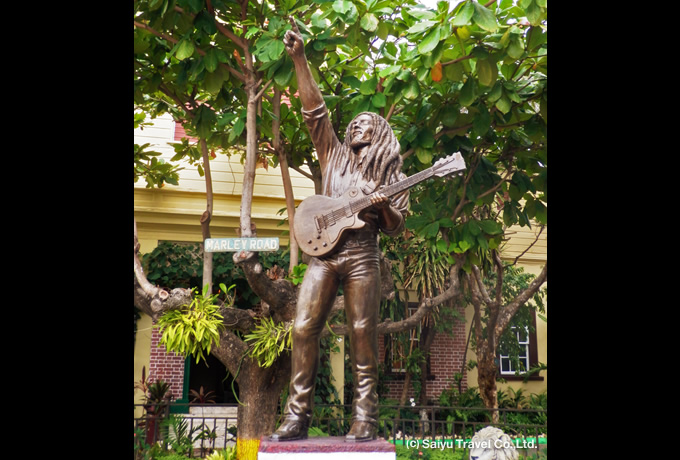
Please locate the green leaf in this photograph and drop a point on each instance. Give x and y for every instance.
(424, 155)
(449, 114)
(504, 104)
(515, 48)
(369, 22)
(484, 18)
(184, 50)
(468, 93)
(213, 82)
(389, 70)
(490, 227)
(210, 60)
(276, 48)
(342, 6)
(431, 230)
(383, 30)
(411, 90)
(155, 4)
(420, 27)
(378, 100)
(368, 86)
(426, 139)
(204, 121)
(284, 73)
(487, 71)
(464, 15)
(430, 41)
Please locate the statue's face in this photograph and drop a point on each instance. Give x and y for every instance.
(361, 131)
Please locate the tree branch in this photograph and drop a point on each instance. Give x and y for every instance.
(174, 41)
(510, 309)
(425, 308)
(530, 246)
(279, 294)
(151, 299)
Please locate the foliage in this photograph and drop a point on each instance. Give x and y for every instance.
(193, 330)
(155, 393)
(223, 454)
(298, 273)
(463, 407)
(142, 448)
(412, 453)
(202, 397)
(268, 340)
(180, 437)
(147, 165)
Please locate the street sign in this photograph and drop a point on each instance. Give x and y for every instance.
(241, 244)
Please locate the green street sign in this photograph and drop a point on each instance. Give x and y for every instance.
(241, 244)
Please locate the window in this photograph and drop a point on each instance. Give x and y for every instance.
(507, 366)
(524, 354)
(399, 346)
(398, 349)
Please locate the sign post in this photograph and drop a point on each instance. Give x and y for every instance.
(241, 244)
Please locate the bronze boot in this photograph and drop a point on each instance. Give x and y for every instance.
(361, 431)
(290, 430)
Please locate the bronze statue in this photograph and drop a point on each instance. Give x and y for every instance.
(368, 158)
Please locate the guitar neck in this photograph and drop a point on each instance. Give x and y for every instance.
(389, 190)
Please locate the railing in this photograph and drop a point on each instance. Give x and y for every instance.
(200, 429)
(194, 429)
(436, 427)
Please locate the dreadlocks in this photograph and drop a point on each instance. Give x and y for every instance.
(381, 162)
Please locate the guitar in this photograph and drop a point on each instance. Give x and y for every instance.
(320, 221)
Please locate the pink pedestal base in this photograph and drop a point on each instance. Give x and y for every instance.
(326, 448)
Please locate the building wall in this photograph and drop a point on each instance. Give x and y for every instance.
(446, 359)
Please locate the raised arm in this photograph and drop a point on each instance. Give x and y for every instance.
(310, 95)
(314, 110)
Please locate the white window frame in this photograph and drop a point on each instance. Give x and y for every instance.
(505, 359)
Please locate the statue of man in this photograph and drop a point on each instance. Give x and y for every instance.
(368, 158)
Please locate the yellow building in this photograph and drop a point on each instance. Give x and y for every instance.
(173, 214)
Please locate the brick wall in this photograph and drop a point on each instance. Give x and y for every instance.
(446, 359)
(166, 366)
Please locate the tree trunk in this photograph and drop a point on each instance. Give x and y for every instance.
(285, 176)
(405, 388)
(259, 393)
(486, 379)
(426, 338)
(206, 217)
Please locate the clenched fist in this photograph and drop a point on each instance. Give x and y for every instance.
(292, 40)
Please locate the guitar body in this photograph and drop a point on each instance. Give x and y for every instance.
(320, 222)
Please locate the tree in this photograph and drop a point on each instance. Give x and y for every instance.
(476, 83)
(470, 78)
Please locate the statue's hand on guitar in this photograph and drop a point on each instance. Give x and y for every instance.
(379, 200)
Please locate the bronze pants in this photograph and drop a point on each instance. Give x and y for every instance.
(357, 267)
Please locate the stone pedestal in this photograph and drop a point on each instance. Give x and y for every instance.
(326, 448)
